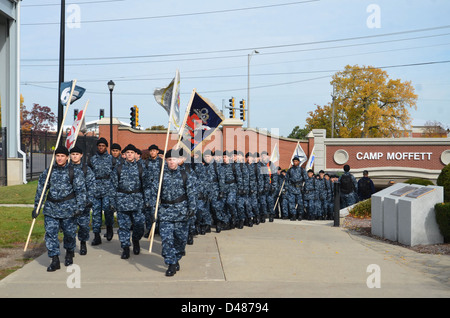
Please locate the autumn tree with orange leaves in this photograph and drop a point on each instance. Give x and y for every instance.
(367, 104)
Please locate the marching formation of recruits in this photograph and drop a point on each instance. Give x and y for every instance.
(226, 189)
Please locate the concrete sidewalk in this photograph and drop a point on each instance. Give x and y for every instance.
(283, 259)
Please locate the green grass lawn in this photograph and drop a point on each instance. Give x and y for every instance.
(18, 194)
(15, 225)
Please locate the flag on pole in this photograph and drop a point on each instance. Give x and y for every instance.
(202, 121)
(169, 98)
(66, 88)
(78, 125)
(310, 163)
(275, 156)
(298, 152)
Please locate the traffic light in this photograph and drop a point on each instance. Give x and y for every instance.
(242, 109)
(133, 117)
(102, 114)
(75, 114)
(232, 111)
(137, 115)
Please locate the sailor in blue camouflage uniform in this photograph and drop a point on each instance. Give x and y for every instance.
(295, 178)
(310, 195)
(230, 179)
(102, 164)
(211, 187)
(329, 199)
(128, 182)
(204, 180)
(348, 188)
(116, 152)
(178, 204)
(243, 211)
(253, 173)
(321, 195)
(66, 199)
(185, 162)
(153, 167)
(283, 204)
(76, 155)
(268, 184)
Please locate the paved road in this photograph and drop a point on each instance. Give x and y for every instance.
(283, 259)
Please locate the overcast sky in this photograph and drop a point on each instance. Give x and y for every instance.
(139, 44)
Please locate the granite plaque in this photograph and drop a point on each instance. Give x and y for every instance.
(419, 192)
(403, 191)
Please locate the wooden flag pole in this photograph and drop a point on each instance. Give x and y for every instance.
(50, 168)
(161, 173)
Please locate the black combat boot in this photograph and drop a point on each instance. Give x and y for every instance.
(83, 249)
(190, 239)
(68, 260)
(109, 233)
(256, 220)
(218, 226)
(171, 270)
(97, 239)
(270, 217)
(54, 265)
(125, 253)
(136, 247)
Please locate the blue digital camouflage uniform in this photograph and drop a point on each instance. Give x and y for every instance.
(177, 203)
(321, 197)
(253, 172)
(267, 187)
(295, 178)
(329, 199)
(188, 166)
(64, 198)
(212, 192)
(153, 167)
(128, 201)
(230, 178)
(310, 197)
(243, 210)
(283, 202)
(84, 218)
(348, 197)
(102, 165)
(204, 180)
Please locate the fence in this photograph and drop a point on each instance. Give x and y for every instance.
(39, 146)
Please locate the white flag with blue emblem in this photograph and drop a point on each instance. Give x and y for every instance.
(310, 163)
(298, 152)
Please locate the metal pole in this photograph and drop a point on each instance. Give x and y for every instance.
(337, 203)
(248, 91)
(332, 116)
(110, 119)
(61, 62)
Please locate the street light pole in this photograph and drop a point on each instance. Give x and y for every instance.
(62, 28)
(111, 88)
(248, 87)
